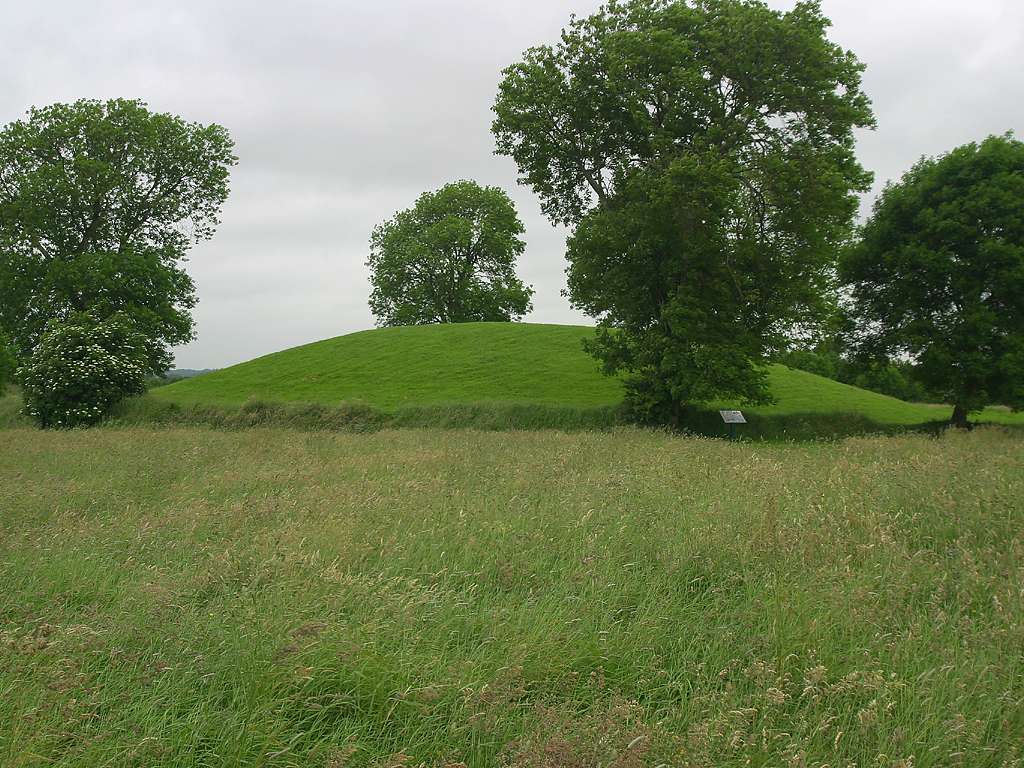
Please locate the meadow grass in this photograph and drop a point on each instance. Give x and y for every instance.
(273, 597)
(361, 417)
(521, 374)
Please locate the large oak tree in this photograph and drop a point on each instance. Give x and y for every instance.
(937, 276)
(704, 154)
(99, 204)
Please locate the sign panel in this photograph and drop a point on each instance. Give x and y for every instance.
(733, 417)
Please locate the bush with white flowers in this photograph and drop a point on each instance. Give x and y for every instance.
(80, 369)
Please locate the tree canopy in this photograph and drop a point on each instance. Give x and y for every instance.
(938, 274)
(704, 154)
(449, 259)
(99, 204)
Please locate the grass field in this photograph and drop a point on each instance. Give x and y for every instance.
(498, 363)
(193, 597)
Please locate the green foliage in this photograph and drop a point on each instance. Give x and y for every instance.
(194, 597)
(99, 203)
(820, 363)
(12, 410)
(449, 259)
(895, 380)
(81, 368)
(8, 364)
(474, 374)
(704, 154)
(938, 274)
(362, 417)
(767, 425)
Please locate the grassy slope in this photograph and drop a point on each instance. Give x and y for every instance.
(192, 597)
(392, 367)
(489, 362)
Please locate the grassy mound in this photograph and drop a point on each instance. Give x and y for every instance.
(508, 363)
(419, 365)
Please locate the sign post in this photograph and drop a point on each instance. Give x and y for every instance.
(732, 418)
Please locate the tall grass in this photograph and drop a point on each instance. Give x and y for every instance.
(361, 417)
(273, 597)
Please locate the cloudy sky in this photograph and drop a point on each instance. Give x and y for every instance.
(344, 112)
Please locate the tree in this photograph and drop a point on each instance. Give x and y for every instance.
(449, 259)
(99, 204)
(81, 368)
(938, 275)
(704, 154)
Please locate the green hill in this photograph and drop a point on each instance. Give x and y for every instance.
(391, 368)
(417, 365)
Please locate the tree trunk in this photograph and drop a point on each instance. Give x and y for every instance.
(959, 417)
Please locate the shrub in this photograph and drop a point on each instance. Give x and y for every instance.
(7, 363)
(81, 368)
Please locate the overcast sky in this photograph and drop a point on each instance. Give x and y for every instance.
(344, 112)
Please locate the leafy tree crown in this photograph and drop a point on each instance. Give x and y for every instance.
(449, 259)
(99, 204)
(937, 275)
(704, 154)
